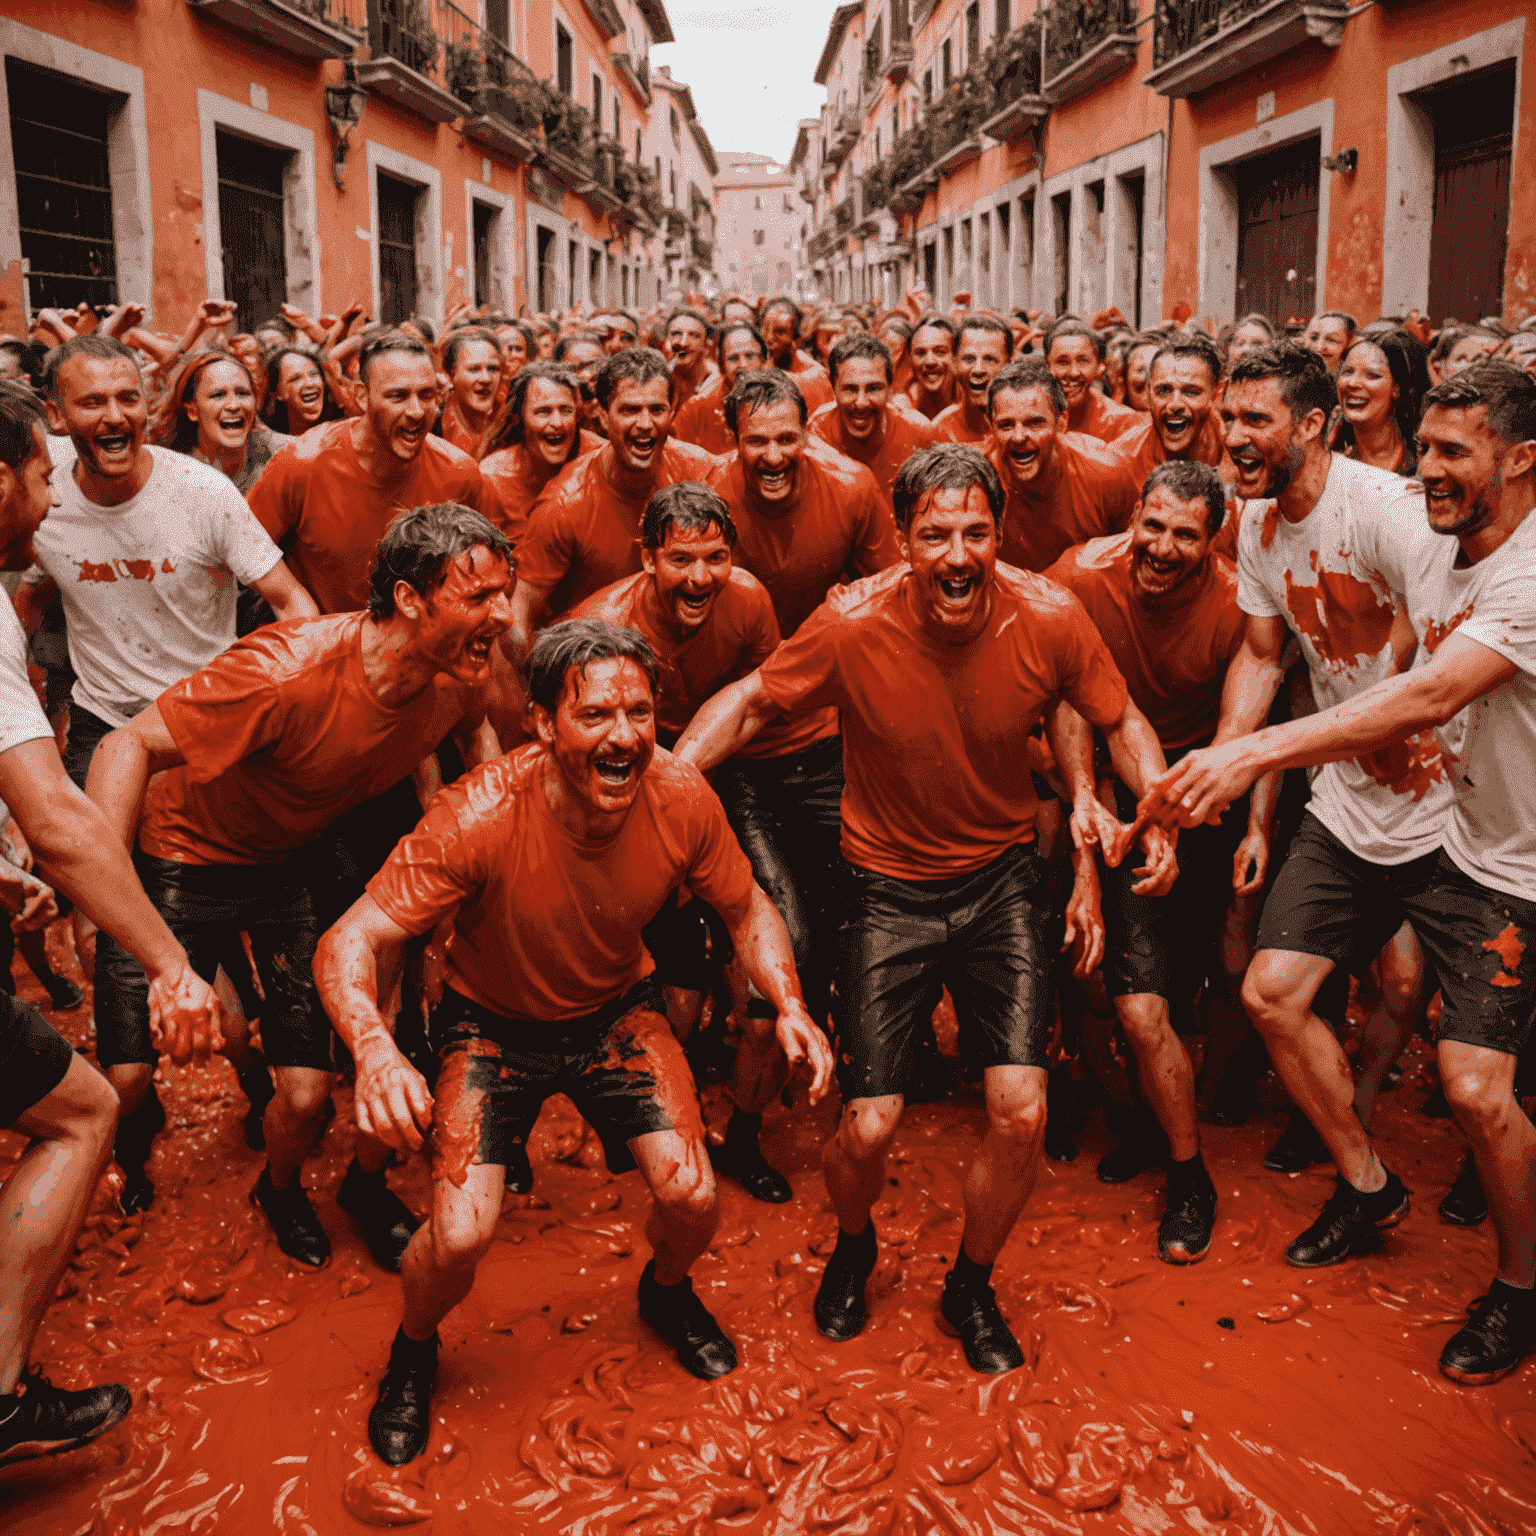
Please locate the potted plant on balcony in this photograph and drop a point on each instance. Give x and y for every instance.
(464, 73)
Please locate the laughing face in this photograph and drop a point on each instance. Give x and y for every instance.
(982, 354)
(1366, 391)
(476, 373)
(101, 405)
(933, 357)
(1261, 437)
(399, 400)
(688, 573)
(769, 443)
(1076, 363)
(1461, 463)
(224, 408)
(1025, 425)
(639, 421)
(601, 736)
(463, 618)
(302, 390)
(1182, 393)
(1169, 542)
(549, 421)
(951, 545)
(861, 392)
(739, 353)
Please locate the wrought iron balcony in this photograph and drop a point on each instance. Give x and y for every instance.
(1086, 43)
(638, 73)
(1200, 43)
(305, 29)
(412, 45)
(1012, 64)
(898, 61)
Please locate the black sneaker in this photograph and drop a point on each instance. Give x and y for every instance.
(1184, 1234)
(400, 1419)
(1299, 1147)
(387, 1222)
(839, 1308)
(972, 1314)
(1498, 1335)
(131, 1145)
(1465, 1204)
(43, 1419)
(138, 1192)
(1349, 1223)
(63, 995)
(294, 1223)
(685, 1323)
(747, 1165)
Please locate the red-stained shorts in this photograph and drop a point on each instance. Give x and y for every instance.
(621, 1066)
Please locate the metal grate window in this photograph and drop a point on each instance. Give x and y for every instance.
(63, 187)
(397, 250)
(251, 227)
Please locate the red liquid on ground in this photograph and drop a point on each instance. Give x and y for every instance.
(1319, 1409)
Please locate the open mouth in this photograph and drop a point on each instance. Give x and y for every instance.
(957, 591)
(694, 602)
(117, 443)
(235, 423)
(615, 771)
(310, 397)
(1441, 496)
(773, 482)
(1023, 458)
(1177, 426)
(1249, 465)
(413, 434)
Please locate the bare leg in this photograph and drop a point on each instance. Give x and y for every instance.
(853, 1161)
(1391, 1025)
(44, 1202)
(761, 1069)
(294, 1118)
(686, 1207)
(1278, 993)
(131, 1080)
(85, 942)
(684, 1009)
(439, 1268)
(1167, 1077)
(999, 1183)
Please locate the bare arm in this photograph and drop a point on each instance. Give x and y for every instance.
(1253, 678)
(726, 723)
(32, 599)
(1138, 758)
(528, 602)
(123, 765)
(281, 589)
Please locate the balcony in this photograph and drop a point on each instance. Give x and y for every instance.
(407, 62)
(1088, 42)
(898, 62)
(637, 73)
(641, 206)
(843, 216)
(1013, 65)
(845, 134)
(303, 29)
(1200, 43)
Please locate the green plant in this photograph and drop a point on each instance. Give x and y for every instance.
(464, 71)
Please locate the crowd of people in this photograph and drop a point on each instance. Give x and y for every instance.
(491, 714)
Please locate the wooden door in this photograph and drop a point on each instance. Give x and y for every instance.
(397, 250)
(251, 228)
(1277, 232)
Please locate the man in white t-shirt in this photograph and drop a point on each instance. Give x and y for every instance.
(48, 1093)
(1470, 594)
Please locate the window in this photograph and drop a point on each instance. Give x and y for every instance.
(1004, 17)
(757, 205)
(757, 237)
(927, 86)
(972, 32)
(672, 177)
(639, 156)
(949, 62)
(251, 227)
(789, 203)
(565, 64)
(594, 277)
(597, 100)
(486, 223)
(677, 127)
(397, 250)
(895, 126)
(63, 190)
(546, 257)
(618, 125)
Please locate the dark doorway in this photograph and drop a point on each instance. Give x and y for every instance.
(485, 225)
(595, 293)
(1474, 122)
(1277, 232)
(63, 188)
(1061, 228)
(397, 250)
(251, 227)
(546, 239)
(1133, 191)
(931, 269)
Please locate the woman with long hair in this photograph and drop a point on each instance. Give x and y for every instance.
(209, 411)
(1382, 379)
(1248, 335)
(472, 361)
(297, 397)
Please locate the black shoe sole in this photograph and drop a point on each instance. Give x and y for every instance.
(1457, 1216)
(1366, 1241)
(27, 1450)
(316, 1264)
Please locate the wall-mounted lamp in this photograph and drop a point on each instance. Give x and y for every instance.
(1346, 160)
(344, 105)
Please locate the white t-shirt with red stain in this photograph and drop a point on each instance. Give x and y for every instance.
(1490, 747)
(148, 585)
(1388, 806)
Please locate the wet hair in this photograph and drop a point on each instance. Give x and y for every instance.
(459, 339)
(1408, 363)
(689, 312)
(576, 338)
(425, 326)
(1338, 314)
(945, 467)
(729, 328)
(1069, 325)
(1300, 373)
(104, 348)
(933, 322)
(511, 429)
(276, 413)
(523, 329)
(891, 321)
(1507, 392)
(578, 643)
(418, 545)
(689, 507)
(180, 432)
(782, 301)
(855, 346)
(1195, 344)
(990, 324)
(389, 341)
(28, 354)
(639, 365)
(1190, 480)
(760, 390)
(19, 409)
(1028, 373)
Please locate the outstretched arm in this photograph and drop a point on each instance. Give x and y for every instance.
(726, 723)
(281, 589)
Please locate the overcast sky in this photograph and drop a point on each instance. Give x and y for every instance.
(750, 68)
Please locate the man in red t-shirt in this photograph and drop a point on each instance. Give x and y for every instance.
(806, 516)
(702, 420)
(1166, 607)
(862, 423)
(584, 531)
(256, 755)
(548, 863)
(934, 387)
(1075, 354)
(942, 667)
(1183, 423)
(780, 322)
(327, 497)
(983, 346)
(686, 342)
(1062, 488)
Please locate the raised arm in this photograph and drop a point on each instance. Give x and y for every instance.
(726, 723)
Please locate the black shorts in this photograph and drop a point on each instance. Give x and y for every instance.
(621, 1067)
(81, 738)
(989, 936)
(688, 942)
(1481, 945)
(1168, 945)
(34, 1057)
(207, 906)
(1330, 902)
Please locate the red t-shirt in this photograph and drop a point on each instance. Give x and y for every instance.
(902, 436)
(1087, 492)
(935, 736)
(584, 534)
(545, 925)
(452, 428)
(518, 479)
(1142, 450)
(815, 386)
(1099, 416)
(701, 421)
(1173, 657)
(281, 735)
(949, 395)
(737, 637)
(951, 426)
(315, 499)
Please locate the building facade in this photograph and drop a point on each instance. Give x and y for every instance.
(1222, 155)
(167, 150)
(759, 219)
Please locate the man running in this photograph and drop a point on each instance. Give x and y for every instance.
(942, 667)
(934, 387)
(49, 1093)
(1166, 606)
(702, 420)
(1075, 354)
(1062, 489)
(983, 346)
(257, 754)
(780, 323)
(547, 993)
(1470, 594)
(862, 423)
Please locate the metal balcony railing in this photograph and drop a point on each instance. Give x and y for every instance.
(1078, 26)
(1185, 24)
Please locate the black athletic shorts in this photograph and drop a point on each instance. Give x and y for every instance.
(205, 906)
(987, 936)
(621, 1066)
(1329, 901)
(34, 1057)
(82, 736)
(688, 942)
(1168, 945)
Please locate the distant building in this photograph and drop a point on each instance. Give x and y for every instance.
(760, 225)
